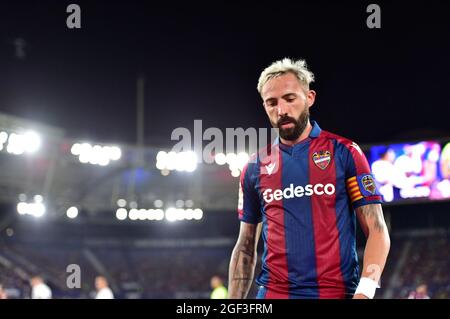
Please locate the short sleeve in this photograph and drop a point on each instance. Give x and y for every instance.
(249, 206)
(360, 184)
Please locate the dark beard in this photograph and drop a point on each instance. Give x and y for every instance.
(291, 134)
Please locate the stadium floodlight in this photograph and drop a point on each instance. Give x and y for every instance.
(187, 161)
(171, 214)
(165, 172)
(160, 165)
(96, 154)
(171, 161)
(133, 204)
(121, 202)
(103, 158)
(72, 212)
(179, 203)
(121, 214)
(3, 137)
(180, 214)
(84, 158)
(15, 144)
(158, 203)
(18, 144)
(159, 214)
(198, 214)
(142, 215)
(35, 208)
(161, 157)
(189, 203)
(220, 159)
(150, 214)
(235, 173)
(22, 208)
(183, 161)
(133, 214)
(231, 158)
(32, 141)
(115, 153)
(85, 150)
(38, 209)
(189, 214)
(76, 149)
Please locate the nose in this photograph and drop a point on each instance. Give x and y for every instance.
(282, 109)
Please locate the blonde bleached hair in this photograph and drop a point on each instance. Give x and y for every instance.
(286, 65)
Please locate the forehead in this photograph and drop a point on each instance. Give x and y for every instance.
(281, 85)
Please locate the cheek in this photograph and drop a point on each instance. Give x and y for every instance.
(300, 107)
(271, 112)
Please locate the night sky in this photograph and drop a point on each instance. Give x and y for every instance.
(202, 60)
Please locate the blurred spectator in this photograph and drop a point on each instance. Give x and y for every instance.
(3, 293)
(219, 290)
(103, 290)
(39, 290)
(421, 292)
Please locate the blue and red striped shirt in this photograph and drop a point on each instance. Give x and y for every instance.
(305, 196)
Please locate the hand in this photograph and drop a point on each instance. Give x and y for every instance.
(360, 296)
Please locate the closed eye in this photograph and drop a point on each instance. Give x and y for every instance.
(271, 102)
(290, 97)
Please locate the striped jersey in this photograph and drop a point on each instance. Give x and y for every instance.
(305, 196)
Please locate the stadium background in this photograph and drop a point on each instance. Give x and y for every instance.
(136, 71)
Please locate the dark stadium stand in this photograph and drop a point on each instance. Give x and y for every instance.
(154, 266)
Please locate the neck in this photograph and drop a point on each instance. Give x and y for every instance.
(303, 136)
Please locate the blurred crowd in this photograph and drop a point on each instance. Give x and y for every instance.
(417, 268)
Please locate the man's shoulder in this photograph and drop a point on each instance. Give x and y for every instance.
(338, 138)
(345, 143)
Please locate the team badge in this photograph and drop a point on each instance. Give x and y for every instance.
(369, 184)
(322, 159)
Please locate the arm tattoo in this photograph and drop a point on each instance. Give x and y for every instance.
(242, 267)
(243, 261)
(374, 213)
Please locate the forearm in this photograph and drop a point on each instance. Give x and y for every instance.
(241, 272)
(376, 251)
(375, 254)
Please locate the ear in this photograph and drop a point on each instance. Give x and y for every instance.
(311, 97)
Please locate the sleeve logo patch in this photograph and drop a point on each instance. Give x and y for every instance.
(369, 184)
(322, 159)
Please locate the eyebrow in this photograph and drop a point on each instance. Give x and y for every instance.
(284, 96)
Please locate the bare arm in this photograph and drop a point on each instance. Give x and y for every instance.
(378, 242)
(243, 261)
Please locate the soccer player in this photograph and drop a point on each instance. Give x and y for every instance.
(302, 193)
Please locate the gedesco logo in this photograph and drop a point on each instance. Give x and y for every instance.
(299, 191)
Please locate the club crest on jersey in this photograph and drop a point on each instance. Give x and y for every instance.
(369, 184)
(322, 159)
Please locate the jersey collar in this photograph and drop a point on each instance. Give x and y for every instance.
(315, 132)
